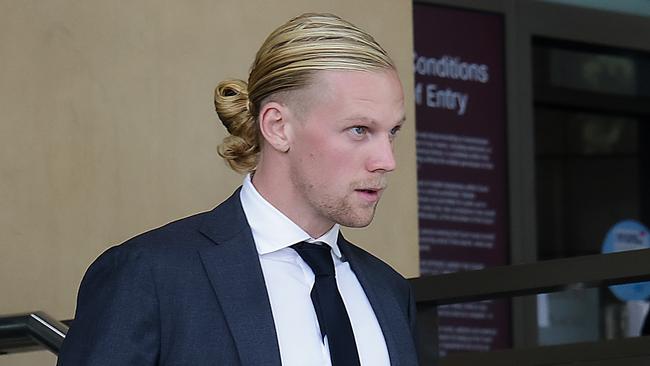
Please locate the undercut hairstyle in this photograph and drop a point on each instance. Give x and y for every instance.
(286, 62)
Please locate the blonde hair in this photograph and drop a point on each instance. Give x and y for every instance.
(285, 62)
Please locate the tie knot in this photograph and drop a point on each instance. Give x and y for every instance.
(317, 256)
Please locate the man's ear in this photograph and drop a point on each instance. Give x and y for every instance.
(273, 120)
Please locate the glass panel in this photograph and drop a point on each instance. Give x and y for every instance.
(562, 132)
(587, 179)
(592, 172)
(568, 317)
(587, 315)
(613, 72)
(593, 72)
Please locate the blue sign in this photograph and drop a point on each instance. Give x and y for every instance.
(628, 235)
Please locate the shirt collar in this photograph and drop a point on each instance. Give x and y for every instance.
(271, 229)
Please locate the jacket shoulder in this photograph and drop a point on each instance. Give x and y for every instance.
(192, 232)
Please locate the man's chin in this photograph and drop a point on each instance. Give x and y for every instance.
(356, 225)
(357, 220)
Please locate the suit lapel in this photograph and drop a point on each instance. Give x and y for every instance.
(391, 319)
(234, 270)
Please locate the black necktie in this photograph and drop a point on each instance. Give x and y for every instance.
(330, 310)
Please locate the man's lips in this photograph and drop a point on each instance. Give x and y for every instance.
(371, 186)
(370, 190)
(370, 194)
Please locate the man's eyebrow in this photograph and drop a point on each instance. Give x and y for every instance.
(363, 119)
(369, 120)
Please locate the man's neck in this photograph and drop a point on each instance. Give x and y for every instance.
(282, 195)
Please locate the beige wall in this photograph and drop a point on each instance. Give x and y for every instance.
(107, 129)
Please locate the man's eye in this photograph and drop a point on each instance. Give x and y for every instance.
(359, 130)
(395, 130)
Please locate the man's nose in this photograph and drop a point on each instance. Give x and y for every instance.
(383, 156)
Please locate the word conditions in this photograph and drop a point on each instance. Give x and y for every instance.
(446, 67)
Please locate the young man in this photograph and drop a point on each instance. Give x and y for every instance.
(265, 278)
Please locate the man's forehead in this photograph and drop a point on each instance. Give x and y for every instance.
(364, 100)
(327, 86)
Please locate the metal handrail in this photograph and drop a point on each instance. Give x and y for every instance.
(519, 280)
(534, 278)
(30, 332)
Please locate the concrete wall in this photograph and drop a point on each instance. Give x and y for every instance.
(107, 129)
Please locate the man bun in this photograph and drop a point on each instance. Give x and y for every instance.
(240, 149)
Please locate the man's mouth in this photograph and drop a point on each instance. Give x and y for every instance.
(370, 194)
(369, 190)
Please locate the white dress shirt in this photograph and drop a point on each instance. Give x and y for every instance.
(289, 281)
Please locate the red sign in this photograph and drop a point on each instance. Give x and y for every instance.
(462, 166)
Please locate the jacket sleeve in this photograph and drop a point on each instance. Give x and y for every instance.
(117, 316)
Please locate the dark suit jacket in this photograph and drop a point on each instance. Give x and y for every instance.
(192, 293)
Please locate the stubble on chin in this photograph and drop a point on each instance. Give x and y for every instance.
(346, 210)
(352, 214)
